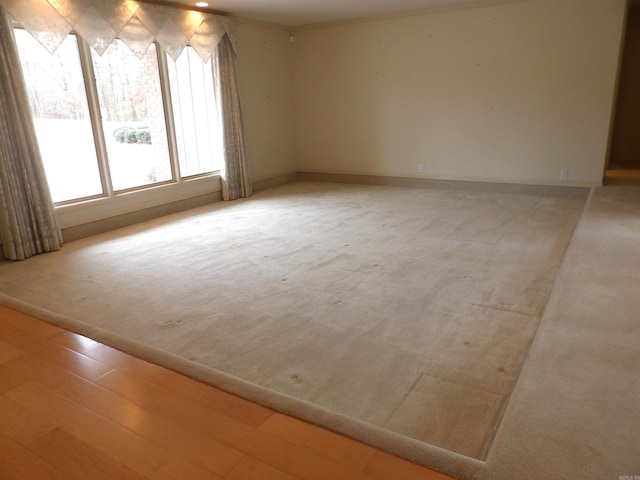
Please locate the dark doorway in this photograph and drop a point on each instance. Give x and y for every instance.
(624, 159)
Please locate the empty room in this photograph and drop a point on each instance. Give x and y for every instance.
(313, 240)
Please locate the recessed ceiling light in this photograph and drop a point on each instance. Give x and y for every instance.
(202, 4)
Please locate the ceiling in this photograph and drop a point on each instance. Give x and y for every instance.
(297, 13)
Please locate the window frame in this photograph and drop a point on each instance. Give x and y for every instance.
(112, 203)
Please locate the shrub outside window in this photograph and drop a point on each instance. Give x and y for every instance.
(132, 113)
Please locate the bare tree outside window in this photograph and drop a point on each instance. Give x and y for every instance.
(61, 116)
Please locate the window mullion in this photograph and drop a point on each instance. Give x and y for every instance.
(168, 112)
(96, 117)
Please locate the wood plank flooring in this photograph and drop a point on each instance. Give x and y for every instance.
(72, 408)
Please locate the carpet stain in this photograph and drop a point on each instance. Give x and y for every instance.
(172, 322)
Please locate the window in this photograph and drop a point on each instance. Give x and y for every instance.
(61, 116)
(195, 113)
(133, 120)
(101, 121)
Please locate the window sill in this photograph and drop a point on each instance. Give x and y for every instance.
(88, 211)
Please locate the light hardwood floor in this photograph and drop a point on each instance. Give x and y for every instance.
(72, 408)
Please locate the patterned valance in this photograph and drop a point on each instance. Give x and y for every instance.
(137, 24)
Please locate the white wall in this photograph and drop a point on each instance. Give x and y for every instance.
(266, 95)
(510, 92)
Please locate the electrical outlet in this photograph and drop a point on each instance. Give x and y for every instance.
(564, 174)
(421, 167)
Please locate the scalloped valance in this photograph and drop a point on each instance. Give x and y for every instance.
(137, 24)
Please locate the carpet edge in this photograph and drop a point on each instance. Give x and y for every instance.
(421, 453)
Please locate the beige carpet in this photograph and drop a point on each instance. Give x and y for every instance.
(575, 412)
(399, 316)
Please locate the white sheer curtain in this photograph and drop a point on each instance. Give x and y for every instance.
(28, 223)
(236, 182)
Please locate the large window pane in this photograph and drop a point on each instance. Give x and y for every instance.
(198, 134)
(59, 106)
(132, 116)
